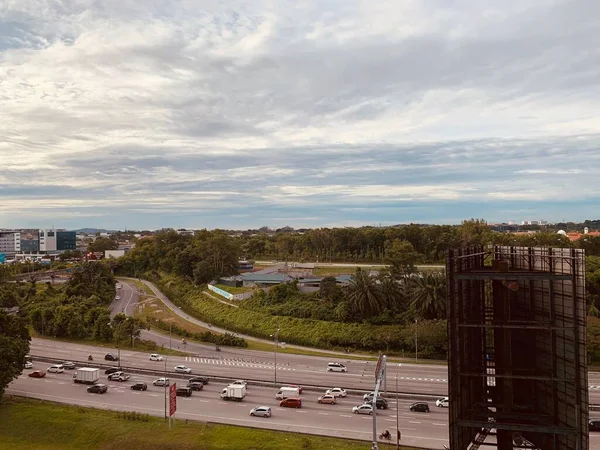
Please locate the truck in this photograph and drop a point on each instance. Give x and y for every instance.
(86, 375)
(287, 391)
(234, 392)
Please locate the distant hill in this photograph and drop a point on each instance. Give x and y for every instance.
(94, 230)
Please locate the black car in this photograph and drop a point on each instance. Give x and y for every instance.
(200, 379)
(195, 386)
(98, 389)
(111, 357)
(139, 386)
(184, 391)
(594, 425)
(380, 404)
(419, 407)
(112, 370)
(68, 365)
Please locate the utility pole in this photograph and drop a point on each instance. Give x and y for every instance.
(276, 344)
(416, 342)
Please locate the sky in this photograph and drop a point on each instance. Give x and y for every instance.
(241, 114)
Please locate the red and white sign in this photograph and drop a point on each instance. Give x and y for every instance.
(172, 399)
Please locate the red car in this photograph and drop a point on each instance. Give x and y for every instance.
(38, 374)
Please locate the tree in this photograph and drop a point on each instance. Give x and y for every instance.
(328, 289)
(101, 244)
(203, 272)
(126, 328)
(14, 345)
(429, 295)
(364, 295)
(402, 258)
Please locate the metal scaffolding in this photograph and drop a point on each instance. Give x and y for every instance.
(517, 348)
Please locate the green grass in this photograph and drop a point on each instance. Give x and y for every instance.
(141, 286)
(27, 424)
(232, 289)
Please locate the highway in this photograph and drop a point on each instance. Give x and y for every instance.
(421, 429)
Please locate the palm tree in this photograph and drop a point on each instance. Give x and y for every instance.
(364, 294)
(428, 293)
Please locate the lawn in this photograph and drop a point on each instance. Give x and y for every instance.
(27, 424)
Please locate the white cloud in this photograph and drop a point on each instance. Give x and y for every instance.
(249, 111)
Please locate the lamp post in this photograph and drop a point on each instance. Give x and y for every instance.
(397, 408)
(276, 344)
(166, 358)
(416, 341)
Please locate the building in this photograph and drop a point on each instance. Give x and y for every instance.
(114, 253)
(57, 241)
(10, 242)
(30, 245)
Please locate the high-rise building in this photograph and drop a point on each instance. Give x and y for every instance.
(53, 240)
(10, 242)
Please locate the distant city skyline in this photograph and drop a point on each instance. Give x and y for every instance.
(241, 114)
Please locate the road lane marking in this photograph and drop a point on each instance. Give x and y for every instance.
(412, 421)
(439, 424)
(344, 415)
(323, 414)
(153, 395)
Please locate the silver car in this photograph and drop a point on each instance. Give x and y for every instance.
(262, 411)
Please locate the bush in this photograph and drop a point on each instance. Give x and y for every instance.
(226, 339)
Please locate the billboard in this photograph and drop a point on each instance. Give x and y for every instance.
(172, 399)
(2, 258)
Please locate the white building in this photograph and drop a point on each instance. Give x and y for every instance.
(47, 240)
(10, 242)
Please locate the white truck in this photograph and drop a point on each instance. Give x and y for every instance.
(234, 392)
(286, 391)
(86, 375)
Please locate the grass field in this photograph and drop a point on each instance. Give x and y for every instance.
(27, 424)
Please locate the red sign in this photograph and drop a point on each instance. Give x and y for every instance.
(172, 399)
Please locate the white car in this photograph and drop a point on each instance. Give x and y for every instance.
(56, 368)
(182, 369)
(239, 383)
(443, 402)
(161, 382)
(119, 376)
(117, 297)
(262, 411)
(118, 286)
(336, 392)
(363, 409)
(28, 365)
(155, 357)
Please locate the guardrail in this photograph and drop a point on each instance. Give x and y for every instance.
(219, 378)
(594, 407)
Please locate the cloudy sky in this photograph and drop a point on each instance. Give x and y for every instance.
(238, 114)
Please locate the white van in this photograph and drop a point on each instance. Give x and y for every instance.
(285, 392)
(56, 368)
(336, 367)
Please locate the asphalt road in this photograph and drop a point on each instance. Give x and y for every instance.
(422, 429)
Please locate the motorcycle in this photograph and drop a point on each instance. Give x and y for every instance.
(90, 358)
(386, 437)
(217, 348)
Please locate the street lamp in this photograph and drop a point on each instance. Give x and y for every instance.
(416, 341)
(165, 384)
(276, 343)
(397, 408)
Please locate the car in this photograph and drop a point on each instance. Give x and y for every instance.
(27, 364)
(182, 369)
(97, 389)
(111, 357)
(380, 403)
(38, 374)
(119, 376)
(139, 386)
(155, 357)
(443, 402)
(240, 383)
(199, 379)
(161, 382)
(56, 368)
(336, 392)
(327, 398)
(69, 365)
(291, 402)
(419, 407)
(118, 297)
(118, 286)
(336, 367)
(195, 386)
(363, 409)
(261, 411)
(594, 425)
(112, 370)
(184, 391)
